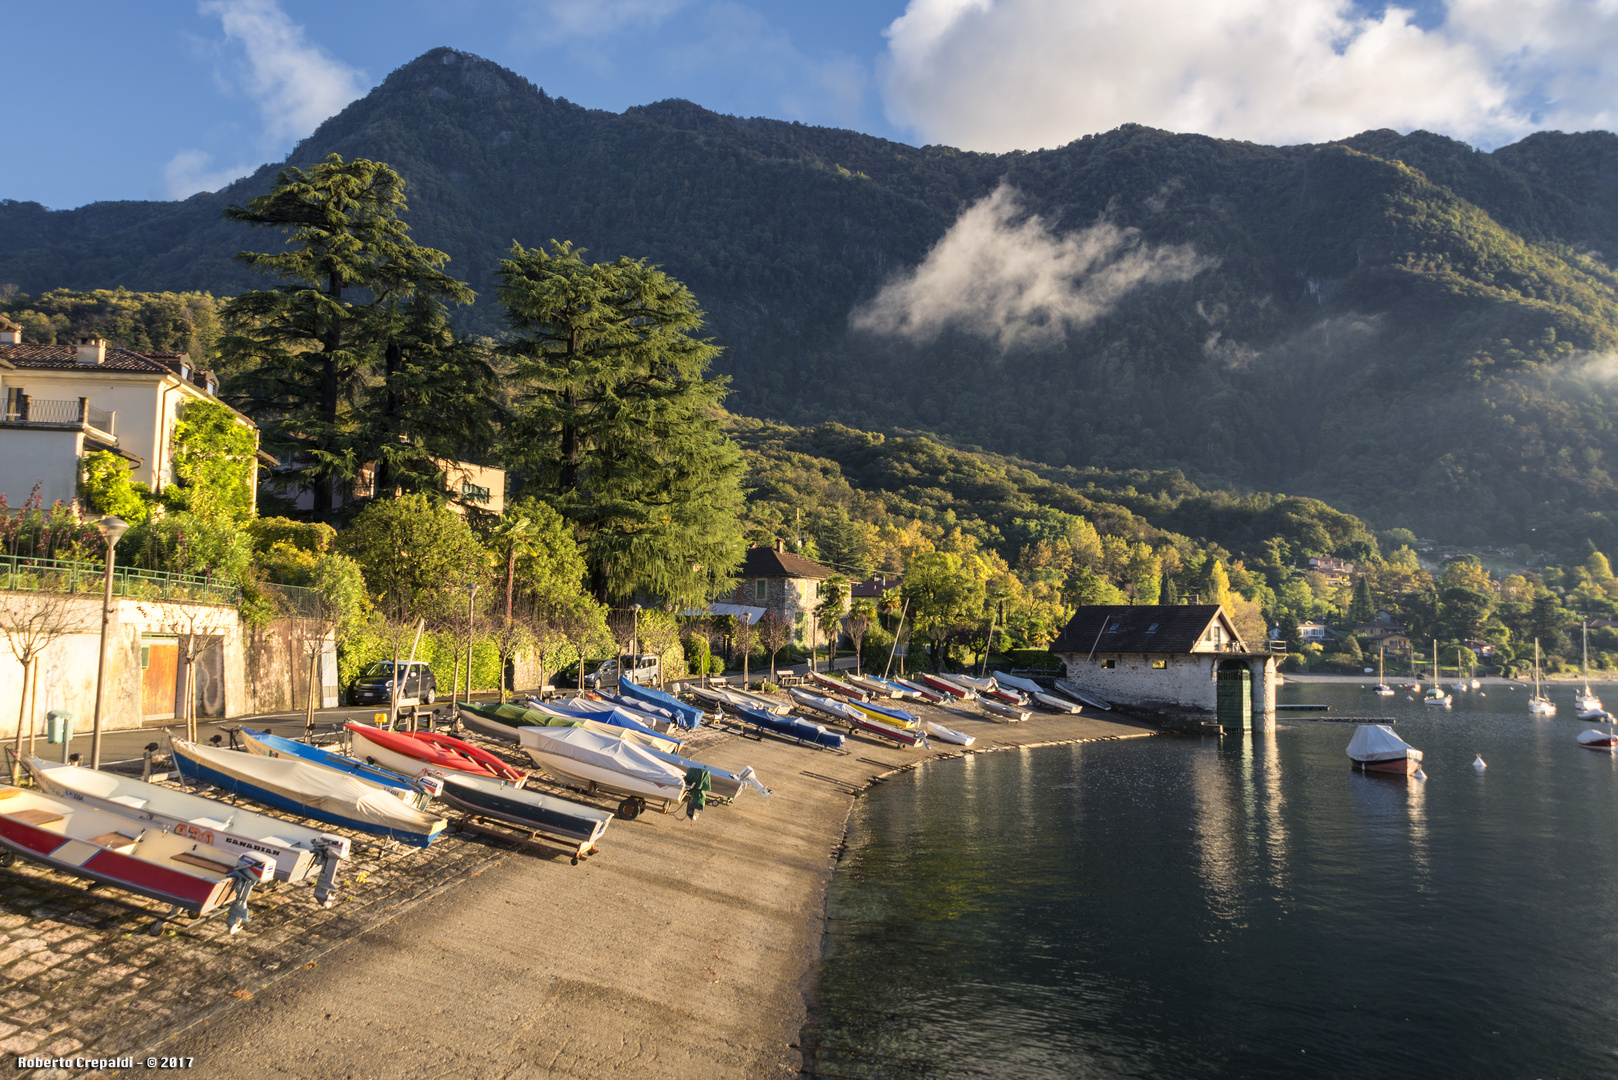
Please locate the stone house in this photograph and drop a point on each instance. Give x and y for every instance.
(1174, 662)
(785, 583)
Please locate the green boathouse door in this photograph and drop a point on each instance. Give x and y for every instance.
(1235, 708)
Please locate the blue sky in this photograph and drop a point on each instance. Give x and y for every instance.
(113, 100)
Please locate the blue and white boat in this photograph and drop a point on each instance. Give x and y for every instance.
(789, 727)
(302, 787)
(263, 744)
(687, 716)
(603, 713)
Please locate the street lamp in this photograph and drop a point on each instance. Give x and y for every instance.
(112, 529)
(634, 642)
(471, 592)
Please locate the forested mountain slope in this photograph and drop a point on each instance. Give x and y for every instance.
(1409, 329)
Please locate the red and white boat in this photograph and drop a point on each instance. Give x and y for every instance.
(945, 686)
(1375, 748)
(925, 693)
(826, 682)
(1599, 740)
(405, 752)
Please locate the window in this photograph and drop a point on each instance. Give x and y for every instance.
(1152, 629)
(1159, 665)
(1109, 664)
(145, 657)
(761, 589)
(473, 493)
(1113, 629)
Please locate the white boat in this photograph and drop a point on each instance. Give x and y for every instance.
(1013, 682)
(592, 762)
(837, 710)
(1375, 748)
(299, 852)
(826, 682)
(1587, 703)
(1000, 709)
(1599, 740)
(950, 735)
(1382, 689)
(872, 687)
(1539, 704)
(925, 693)
(1436, 695)
(1061, 705)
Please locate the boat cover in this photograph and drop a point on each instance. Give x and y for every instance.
(904, 716)
(1593, 737)
(1027, 686)
(645, 708)
(892, 687)
(792, 728)
(615, 715)
(1377, 742)
(604, 752)
(514, 717)
(264, 744)
(840, 709)
(333, 793)
(687, 716)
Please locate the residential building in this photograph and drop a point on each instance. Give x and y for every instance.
(1335, 571)
(465, 486)
(783, 582)
(1177, 661)
(1312, 631)
(62, 402)
(1384, 632)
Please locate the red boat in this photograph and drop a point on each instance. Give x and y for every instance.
(429, 748)
(954, 690)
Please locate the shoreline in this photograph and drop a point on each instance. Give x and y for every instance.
(681, 950)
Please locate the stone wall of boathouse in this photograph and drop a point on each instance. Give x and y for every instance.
(1181, 694)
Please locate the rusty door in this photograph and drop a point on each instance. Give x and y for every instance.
(159, 664)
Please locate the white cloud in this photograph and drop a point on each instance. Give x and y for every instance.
(1004, 275)
(1022, 74)
(188, 172)
(295, 82)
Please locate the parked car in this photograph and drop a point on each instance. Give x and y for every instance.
(375, 684)
(643, 669)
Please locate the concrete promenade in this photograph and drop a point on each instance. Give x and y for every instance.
(681, 950)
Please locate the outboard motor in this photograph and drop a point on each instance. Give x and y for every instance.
(430, 785)
(331, 850)
(252, 867)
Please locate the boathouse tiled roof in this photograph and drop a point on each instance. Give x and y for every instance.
(1137, 628)
(763, 562)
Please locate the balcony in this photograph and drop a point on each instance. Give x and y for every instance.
(46, 413)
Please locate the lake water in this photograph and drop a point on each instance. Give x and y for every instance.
(1246, 907)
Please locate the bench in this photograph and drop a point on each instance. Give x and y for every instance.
(35, 817)
(117, 841)
(191, 858)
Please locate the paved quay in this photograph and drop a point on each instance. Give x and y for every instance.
(683, 949)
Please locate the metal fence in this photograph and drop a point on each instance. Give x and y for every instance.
(29, 410)
(23, 574)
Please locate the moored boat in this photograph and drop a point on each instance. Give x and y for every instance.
(109, 849)
(303, 787)
(1375, 748)
(1539, 704)
(299, 852)
(1595, 739)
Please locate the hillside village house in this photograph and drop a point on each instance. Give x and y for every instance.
(1335, 571)
(1176, 661)
(1384, 633)
(467, 486)
(785, 583)
(62, 402)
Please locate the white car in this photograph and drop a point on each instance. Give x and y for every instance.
(643, 669)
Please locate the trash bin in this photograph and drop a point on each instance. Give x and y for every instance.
(58, 726)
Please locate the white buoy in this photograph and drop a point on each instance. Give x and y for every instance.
(1480, 764)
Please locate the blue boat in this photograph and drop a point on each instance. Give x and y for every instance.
(264, 744)
(790, 727)
(302, 787)
(687, 716)
(604, 713)
(644, 707)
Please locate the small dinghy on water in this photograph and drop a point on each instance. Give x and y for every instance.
(591, 762)
(299, 852)
(950, 735)
(406, 752)
(303, 787)
(1599, 740)
(1056, 704)
(837, 710)
(109, 849)
(925, 693)
(1375, 748)
(790, 727)
(578, 826)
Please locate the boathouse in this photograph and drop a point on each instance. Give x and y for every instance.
(1180, 664)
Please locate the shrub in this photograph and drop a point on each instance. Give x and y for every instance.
(716, 665)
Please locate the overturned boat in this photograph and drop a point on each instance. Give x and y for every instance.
(1375, 748)
(302, 787)
(1595, 739)
(299, 852)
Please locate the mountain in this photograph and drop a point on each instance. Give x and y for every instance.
(1407, 328)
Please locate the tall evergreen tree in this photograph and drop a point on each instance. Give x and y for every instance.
(308, 351)
(622, 422)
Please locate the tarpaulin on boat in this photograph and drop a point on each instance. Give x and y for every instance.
(1377, 742)
(1027, 686)
(687, 716)
(604, 752)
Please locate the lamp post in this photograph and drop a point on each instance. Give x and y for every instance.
(112, 529)
(634, 643)
(471, 592)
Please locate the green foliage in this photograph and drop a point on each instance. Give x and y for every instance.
(438, 650)
(313, 537)
(146, 322)
(215, 464)
(416, 556)
(618, 416)
(335, 578)
(106, 487)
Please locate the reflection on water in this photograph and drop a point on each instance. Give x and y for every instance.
(1240, 907)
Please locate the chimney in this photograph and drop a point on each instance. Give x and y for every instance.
(777, 543)
(10, 332)
(92, 350)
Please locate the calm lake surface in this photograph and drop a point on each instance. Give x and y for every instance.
(1246, 907)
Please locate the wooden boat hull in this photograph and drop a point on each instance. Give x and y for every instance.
(1396, 767)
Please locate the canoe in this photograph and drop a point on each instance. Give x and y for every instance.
(837, 710)
(593, 762)
(263, 744)
(1014, 682)
(950, 735)
(1599, 740)
(790, 727)
(1375, 748)
(303, 787)
(109, 849)
(578, 825)
(944, 686)
(406, 752)
(299, 851)
(926, 693)
(838, 686)
(903, 736)
(1061, 705)
(687, 716)
(1007, 711)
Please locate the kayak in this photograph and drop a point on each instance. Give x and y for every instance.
(408, 751)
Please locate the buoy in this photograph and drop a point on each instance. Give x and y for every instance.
(1480, 764)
